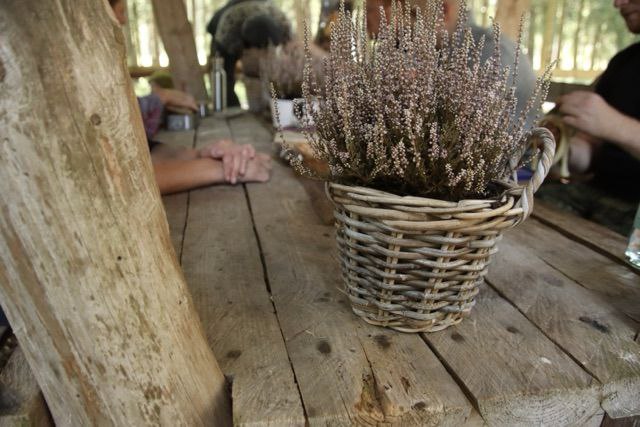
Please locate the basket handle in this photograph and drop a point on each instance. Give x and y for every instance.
(547, 148)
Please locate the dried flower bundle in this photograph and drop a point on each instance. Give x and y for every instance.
(415, 111)
(284, 67)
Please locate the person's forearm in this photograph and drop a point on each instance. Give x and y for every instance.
(169, 152)
(182, 175)
(626, 134)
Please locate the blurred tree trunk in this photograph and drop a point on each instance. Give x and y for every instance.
(576, 34)
(302, 18)
(88, 276)
(509, 14)
(485, 15)
(533, 26)
(131, 50)
(133, 29)
(549, 26)
(560, 32)
(595, 44)
(177, 36)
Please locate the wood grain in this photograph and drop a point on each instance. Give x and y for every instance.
(516, 376)
(176, 205)
(221, 261)
(21, 402)
(588, 233)
(591, 331)
(349, 373)
(623, 422)
(87, 273)
(616, 284)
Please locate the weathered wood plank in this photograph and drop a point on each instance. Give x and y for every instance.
(178, 41)
(176, 205)
(508, 15)
(21, 401)
(349, 373)
(623, 422)
(595, 236)
(87, 274)
(592, 332)
(320, 203)
(516, 376)
(475, 420)
(617, 284)
(221, 262)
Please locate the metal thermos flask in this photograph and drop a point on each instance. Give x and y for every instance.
(218, 85)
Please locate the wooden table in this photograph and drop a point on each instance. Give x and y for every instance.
(553, 339)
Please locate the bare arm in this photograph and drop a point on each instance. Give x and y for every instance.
(181, 169)
(626, 133)
(178, 175)
(235, 158)
(169, 152)
(589, 113)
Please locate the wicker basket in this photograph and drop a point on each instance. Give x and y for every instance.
(415, 264)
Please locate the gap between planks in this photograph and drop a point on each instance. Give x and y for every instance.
(186, 214)
(587, 233)
(289, 192)
(265, 274)
(586, 319)
(350, 361)
(274, 371)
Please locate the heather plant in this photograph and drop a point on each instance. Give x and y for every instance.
(284, 66)
(415, 111)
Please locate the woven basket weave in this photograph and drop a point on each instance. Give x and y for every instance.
(415, 264)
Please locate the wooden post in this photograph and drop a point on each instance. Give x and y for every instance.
(549, 31)
(177, 36)
(88, 276)
(508, 15)
(302, 18)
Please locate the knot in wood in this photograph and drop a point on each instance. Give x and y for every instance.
(95, 119)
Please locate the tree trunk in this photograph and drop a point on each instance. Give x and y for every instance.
(177, 36)
(508, 15)
(531, 33)
(560, 33)
(576, 35)
(549, 27)
(133, 28)
(88, 276)
(302, 18)
(485, 14)
(132, 61)
(595, 45)
(153, 37)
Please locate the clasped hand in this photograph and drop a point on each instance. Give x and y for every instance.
(235, 157)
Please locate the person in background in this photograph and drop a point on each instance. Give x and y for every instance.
(179, 169)
(526, 80)
(329, 15)
(245, 24)
(606, 144)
